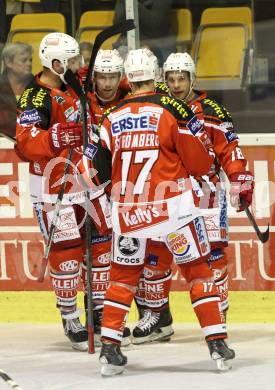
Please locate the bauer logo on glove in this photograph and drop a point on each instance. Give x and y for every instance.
(242, 186)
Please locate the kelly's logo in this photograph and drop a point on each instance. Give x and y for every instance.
(142, 216)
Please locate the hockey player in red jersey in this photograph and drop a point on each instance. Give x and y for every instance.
(179, 73)
(48, 124)
(149, 145)
(107, 90)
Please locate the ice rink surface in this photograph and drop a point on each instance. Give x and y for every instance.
(39, 357)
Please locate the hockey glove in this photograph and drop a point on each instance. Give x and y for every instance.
(65, 135)
(242, 186)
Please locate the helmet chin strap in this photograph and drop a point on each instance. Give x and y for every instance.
(61, 75)
(186, 99)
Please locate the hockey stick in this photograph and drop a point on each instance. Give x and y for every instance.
(60, 195)
(71, 79)
(263, 236)
(9, 380)
(100, 39)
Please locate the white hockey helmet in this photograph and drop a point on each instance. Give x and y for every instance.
(140, 65)
(58, 46)
(108, 61)
(182, 62)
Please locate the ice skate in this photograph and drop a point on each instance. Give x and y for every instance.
(140, 309)
(221, 353)
(75, 331)
(153, 327)
(112, 360)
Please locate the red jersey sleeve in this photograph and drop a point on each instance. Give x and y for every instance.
(219, 125)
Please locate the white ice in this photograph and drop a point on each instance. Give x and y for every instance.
(39, 357)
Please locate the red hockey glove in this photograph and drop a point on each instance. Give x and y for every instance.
(65, 135)
(242, 186)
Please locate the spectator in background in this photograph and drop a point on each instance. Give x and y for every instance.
(16, 75)
(86, 51)
(154, 26)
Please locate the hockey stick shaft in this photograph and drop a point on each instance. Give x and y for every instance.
(75, 85)
(100, 39)
(263, 236)
(53, 225)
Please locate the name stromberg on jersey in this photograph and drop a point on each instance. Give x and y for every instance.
(140, 140)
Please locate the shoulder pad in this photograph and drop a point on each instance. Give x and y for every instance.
(105, 115)
(33, 97)
(216, 109)
(24, 98)
(161, 88)
(176, 106)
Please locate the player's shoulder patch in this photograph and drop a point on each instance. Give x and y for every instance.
(28, 117)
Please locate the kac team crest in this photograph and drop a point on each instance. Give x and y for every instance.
(178, 244)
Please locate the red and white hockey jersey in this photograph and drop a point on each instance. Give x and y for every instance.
(149, 145)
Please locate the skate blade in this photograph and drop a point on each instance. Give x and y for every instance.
(222, 364)
(83, 346)
(125, 341)
(164, 335)
(111, 370)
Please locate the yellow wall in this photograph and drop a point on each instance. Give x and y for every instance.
(34, 306)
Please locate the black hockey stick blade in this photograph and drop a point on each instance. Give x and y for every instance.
(263, 236)
(9, 380)
(120, 28)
